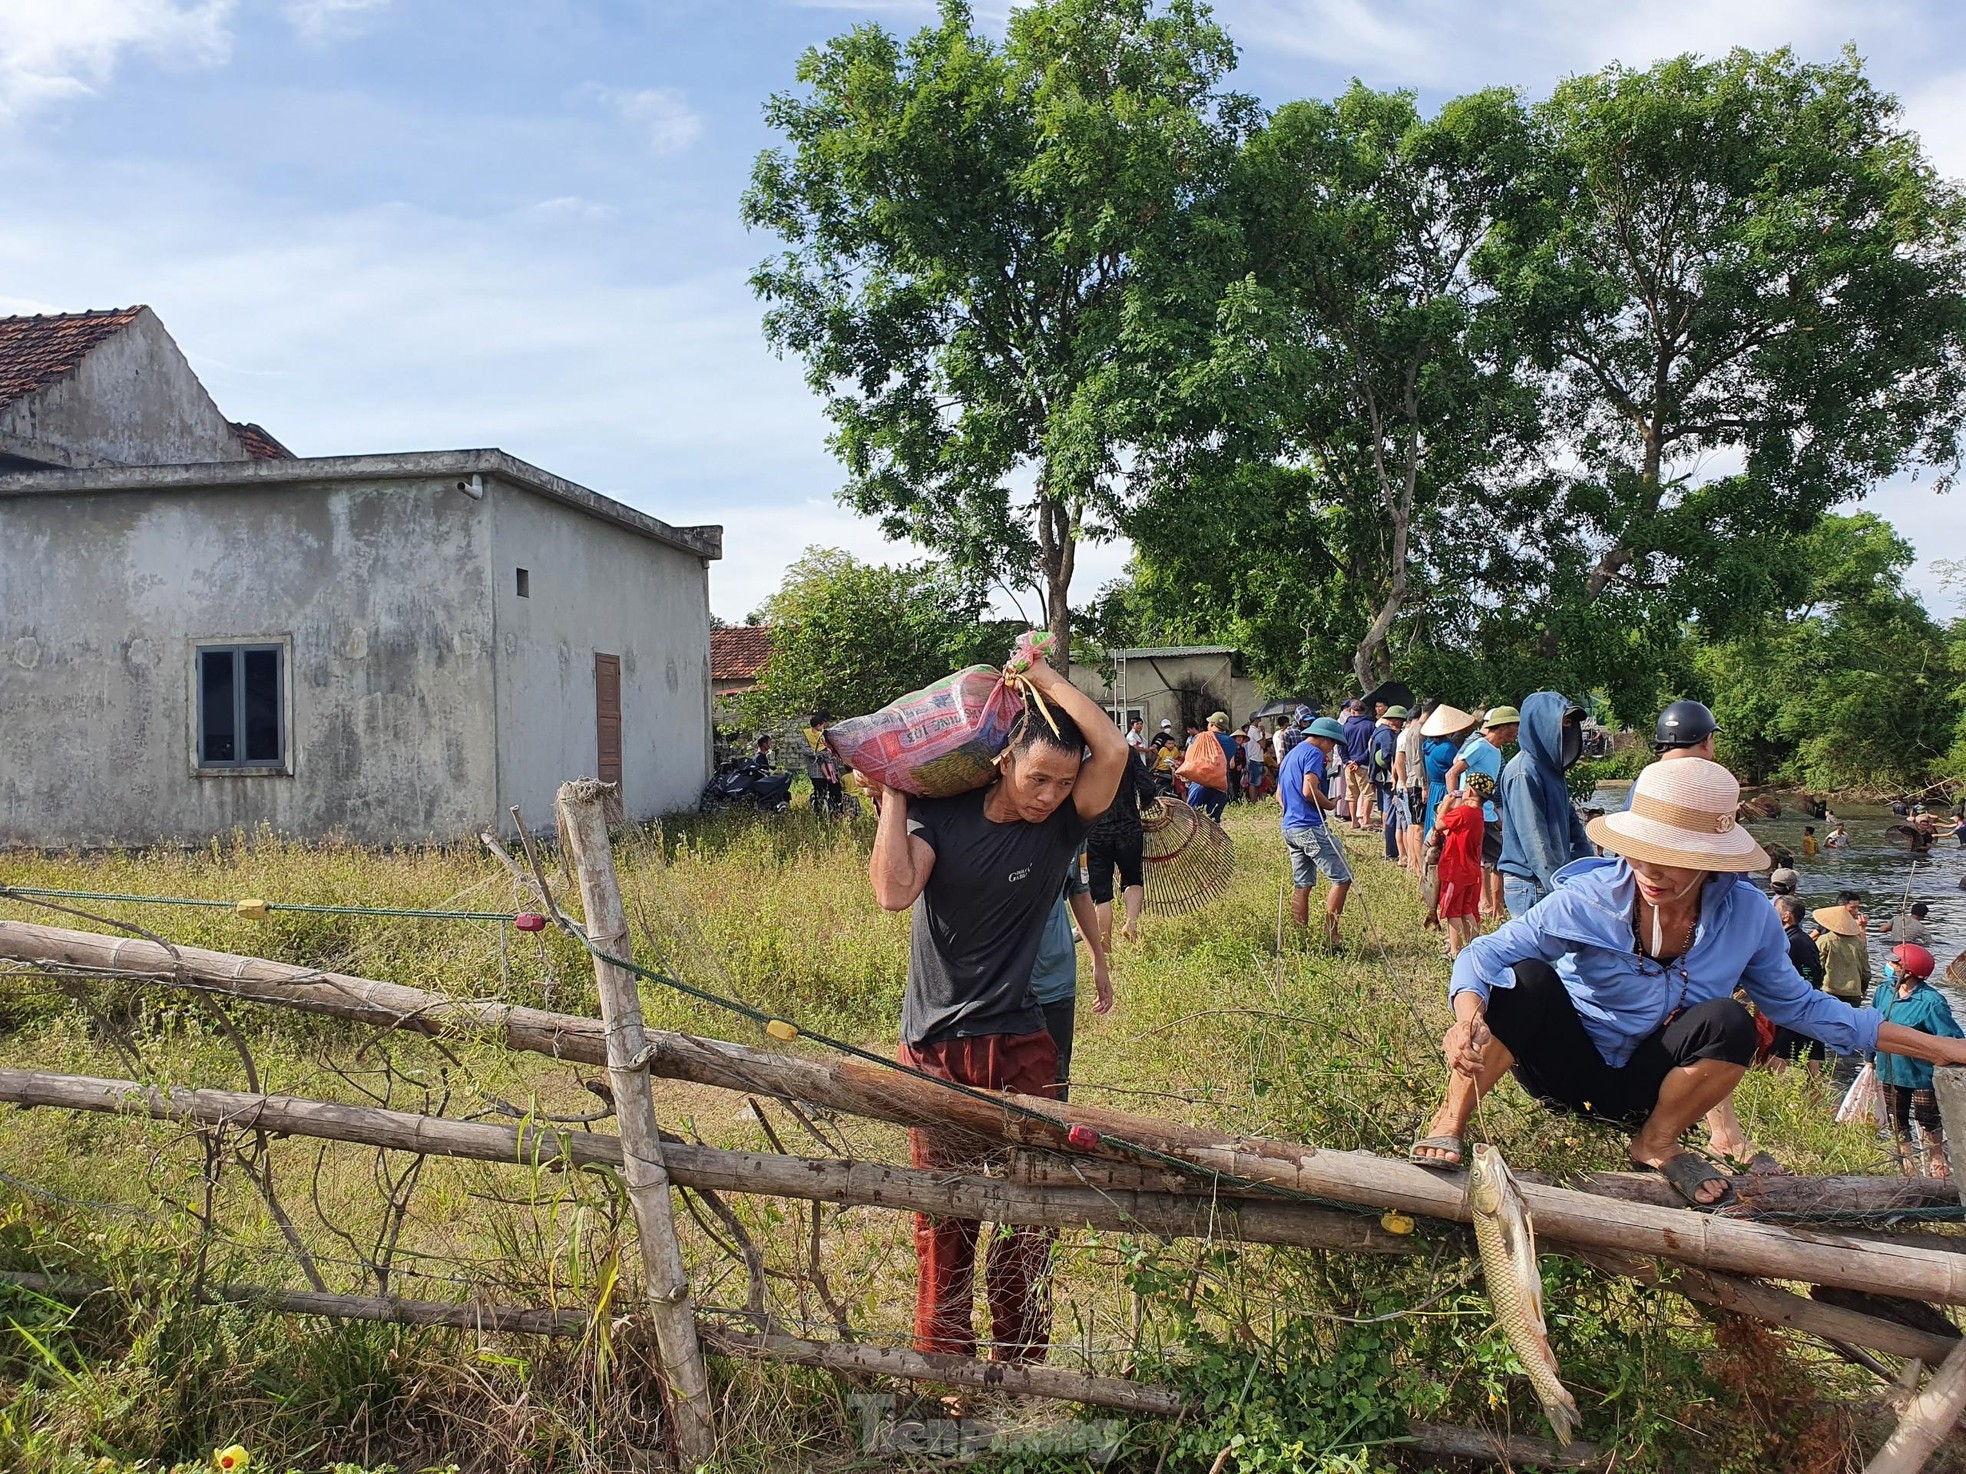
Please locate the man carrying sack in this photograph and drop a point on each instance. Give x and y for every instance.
(981, 871)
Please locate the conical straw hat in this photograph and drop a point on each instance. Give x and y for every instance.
(1188, 858)
(1838, 919)
(1446, 721)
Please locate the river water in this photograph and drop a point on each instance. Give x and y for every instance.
(1873, 866)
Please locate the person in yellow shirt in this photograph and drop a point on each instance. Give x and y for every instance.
(1809, 845)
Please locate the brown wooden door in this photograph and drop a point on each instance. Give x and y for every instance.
(607, 717)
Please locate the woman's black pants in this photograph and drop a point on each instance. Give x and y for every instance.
(1556, 1062)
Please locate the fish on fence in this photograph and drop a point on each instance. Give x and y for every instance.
(1507, 1240)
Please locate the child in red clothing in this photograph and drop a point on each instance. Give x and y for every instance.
(1458, 825)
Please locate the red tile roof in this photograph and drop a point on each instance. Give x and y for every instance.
(35, 351)
(259, 445)
(740, 652)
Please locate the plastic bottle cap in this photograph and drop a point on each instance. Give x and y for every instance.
(782, 1031)
(1083, 1137)
(1394, 1222)
(529, 921)
(256, 909)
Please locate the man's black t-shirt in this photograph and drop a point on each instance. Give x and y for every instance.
(980, 918)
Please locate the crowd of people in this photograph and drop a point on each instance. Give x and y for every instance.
(1633, 972)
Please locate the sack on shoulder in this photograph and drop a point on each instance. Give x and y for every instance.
(1205, 763)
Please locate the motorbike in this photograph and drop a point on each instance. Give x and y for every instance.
(747, 781)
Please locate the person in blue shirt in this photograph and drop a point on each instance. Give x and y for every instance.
(1357, 729)
(1613, 997)
(1541, 831)
(1055, 973)
(1385, 755)
(1482, 753)
(1908, 998)
(1212, 801)
(1312, 845)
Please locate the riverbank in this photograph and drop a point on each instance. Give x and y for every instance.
(1224, 1018)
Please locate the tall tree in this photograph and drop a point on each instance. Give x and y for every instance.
(852, 636)
(1355, 358)
(1744, 264)
(969, 229)
(1854, 684)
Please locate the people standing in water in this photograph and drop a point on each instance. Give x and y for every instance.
(1909, 999)
(1810, 849)
(1838, 838)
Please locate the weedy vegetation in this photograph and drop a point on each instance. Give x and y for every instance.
(1296, 1361)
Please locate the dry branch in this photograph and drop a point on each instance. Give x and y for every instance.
(1581, 1220)
(1927, 1420)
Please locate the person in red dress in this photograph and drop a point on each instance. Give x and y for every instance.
(1459, 830)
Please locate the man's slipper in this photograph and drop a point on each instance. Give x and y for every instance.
(1688, 1172)
(1758, 1164)
(1455, 1144)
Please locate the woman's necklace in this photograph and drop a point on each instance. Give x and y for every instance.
(1680, 931)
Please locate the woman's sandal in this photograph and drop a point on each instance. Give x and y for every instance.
(1688, 1172)
(1455, 1144)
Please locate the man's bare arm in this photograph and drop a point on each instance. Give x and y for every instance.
(901, 862)
(1099, 778)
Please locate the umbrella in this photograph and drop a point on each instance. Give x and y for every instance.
(1393, 693)
(1189, 858)
(1285, 707)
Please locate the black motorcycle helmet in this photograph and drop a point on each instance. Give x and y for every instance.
(1683, 724)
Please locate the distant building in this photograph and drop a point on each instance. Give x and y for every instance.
(737, 653)
(1170, 683)
(200, 631)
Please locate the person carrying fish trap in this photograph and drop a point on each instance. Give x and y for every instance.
(1613, 996)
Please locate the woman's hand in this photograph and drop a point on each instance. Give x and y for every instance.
(1464, 1045)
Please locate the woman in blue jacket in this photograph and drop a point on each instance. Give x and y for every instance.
(1613, 997)
(1908, 998)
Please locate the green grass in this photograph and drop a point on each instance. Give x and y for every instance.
(1227, 1018)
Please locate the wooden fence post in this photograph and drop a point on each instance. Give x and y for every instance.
(583, 820)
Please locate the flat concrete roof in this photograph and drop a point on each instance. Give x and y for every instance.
(705, 542)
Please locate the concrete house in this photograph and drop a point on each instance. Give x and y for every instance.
(1170, 683)
(200, 631)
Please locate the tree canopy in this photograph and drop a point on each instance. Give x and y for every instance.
(852, 636)
(970, 230)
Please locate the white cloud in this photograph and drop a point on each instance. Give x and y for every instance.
(327, 20)
(573, 207)
(51, 50)
(663, 112)
(1448, 44)
(1938, 112)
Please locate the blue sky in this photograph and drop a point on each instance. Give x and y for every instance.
(385, 225)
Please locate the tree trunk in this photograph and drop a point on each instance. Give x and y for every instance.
(1057, 553)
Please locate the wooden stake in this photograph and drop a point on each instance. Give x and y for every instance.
(582, 813)
(1927, 1420)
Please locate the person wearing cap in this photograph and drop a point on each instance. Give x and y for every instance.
(1614, 996)
(1306, 835)
(1384, 765)
(1783, 881)
(1482, 753)
(1212, 801)
(1541, 830)
(1909, 999)
(1442, 734)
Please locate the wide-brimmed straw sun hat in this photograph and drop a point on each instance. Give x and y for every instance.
(1446, 721)
(1682, 813)
(1839, 920)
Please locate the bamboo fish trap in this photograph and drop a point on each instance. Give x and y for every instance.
(1188, 858)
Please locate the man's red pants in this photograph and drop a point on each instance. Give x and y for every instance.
(1016, 1275)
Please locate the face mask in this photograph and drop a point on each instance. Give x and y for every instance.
(1891, 974)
